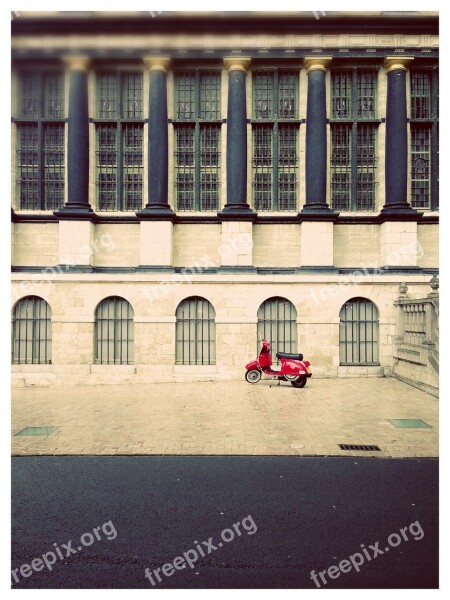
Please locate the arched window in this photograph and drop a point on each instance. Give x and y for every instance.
(195, 332)
(358, 333)
(277, 323)
(114, 332)
(32, 332)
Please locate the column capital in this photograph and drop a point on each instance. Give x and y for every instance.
(157, 63)
(397, 63)
(77, 63)
(237, 63)
(317, 63)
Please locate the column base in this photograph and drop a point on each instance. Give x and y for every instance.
(76, 211)
(399, 211)
(159, 212)
(238, 212)
(319, 211)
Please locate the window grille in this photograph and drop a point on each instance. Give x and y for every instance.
(114, 332)
(195, 332)
(119, 125)
(275, 140)
(424, 139)
(32, 331)
(197, 140)
(353, 155)
(40, 140)
(358, 332)
(277, 323)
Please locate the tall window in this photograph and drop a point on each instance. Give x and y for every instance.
(353, 139)
(195, 332)
(119, 132)
(424, 139)
(197, 140)
(358, 333)
(275, 139)
(114, 332)
(40, 140)
(32, 332)
(277, 323)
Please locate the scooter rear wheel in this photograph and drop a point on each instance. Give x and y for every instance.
(300, 382)
(253, 376)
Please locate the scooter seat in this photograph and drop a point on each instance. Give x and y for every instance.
(291, 356)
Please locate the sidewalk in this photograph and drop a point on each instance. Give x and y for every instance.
(227, 418)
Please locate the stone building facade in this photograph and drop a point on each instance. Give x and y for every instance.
(184, 185)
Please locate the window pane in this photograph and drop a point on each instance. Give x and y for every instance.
(195, 332)
(209, 95)
(185, 95)
(263, 95)
(366, 84)
(107, 96)
(277, 323)
(366, 163)
(210, 160)
(54, 95)
(185, 167)
(341, 198)
(31, 331)
(341, 86)
(107, 167)
(132, 95)
(287, 95)
(133, 167)
(287, 168)
(53, 166)
(114, 332)
(29, 92)
(420, 167)
(358, 332)
(420, 95)
(28, 167)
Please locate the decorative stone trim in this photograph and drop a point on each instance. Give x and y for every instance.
(237, 63)
(397, 63)
(157, 63)
(78, 63)
(313, 63)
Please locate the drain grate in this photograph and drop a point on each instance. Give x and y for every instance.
(368, 448)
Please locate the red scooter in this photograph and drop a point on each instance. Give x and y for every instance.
(293, 367)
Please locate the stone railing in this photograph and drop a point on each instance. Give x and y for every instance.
(416, 345)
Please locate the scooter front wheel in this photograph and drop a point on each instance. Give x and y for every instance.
(253, 376)
(299, 382)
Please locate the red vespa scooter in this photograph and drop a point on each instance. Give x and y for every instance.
(293, 367)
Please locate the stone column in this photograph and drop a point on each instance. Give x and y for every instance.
(156, 227)
(398, 235)
(76, 227)
(396, 157)
(237, 205)
(236, 249)
(317, 218)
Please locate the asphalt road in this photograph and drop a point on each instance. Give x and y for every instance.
(295, 514)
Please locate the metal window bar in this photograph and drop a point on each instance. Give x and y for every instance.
(185, 95)
(53, 166)
(277, 323)
(287, 95)
(30, 95)
(358, 333)
(209, 167)
(420, 166)
(341, 189)
(185, 167)
(114, 332)
(131, 87)
(195, 332)
(366, 94)
(420, 95)
(28, 166)
(209, 95)
(287, 167)
(263, 95)
(107, 167)
(107, 95)
(53, 96)
(263, 167)
(366, 167)
(32, 332)
(133, 166)
(341, 95)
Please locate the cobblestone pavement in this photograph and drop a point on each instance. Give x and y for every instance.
(226, 418)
